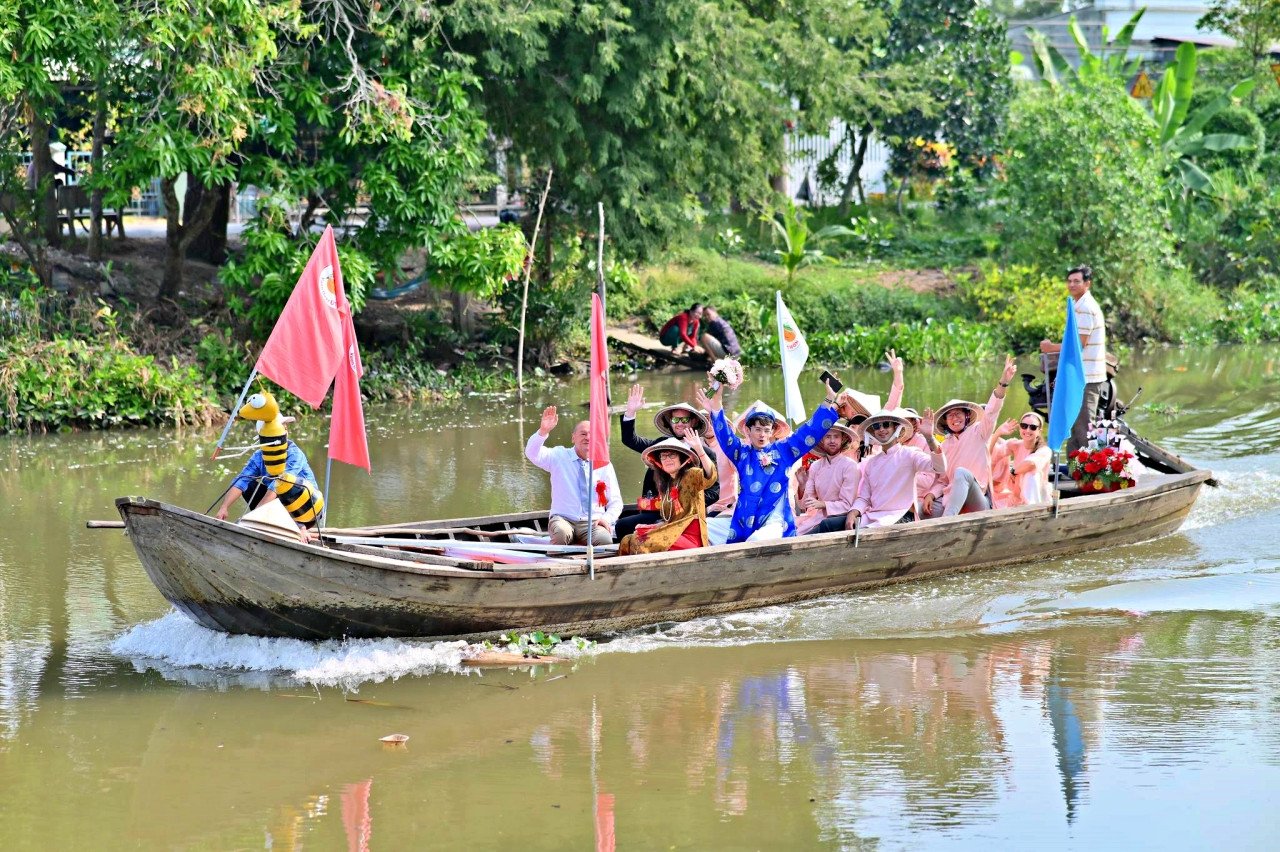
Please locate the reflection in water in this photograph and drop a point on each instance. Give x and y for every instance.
(1068, 739)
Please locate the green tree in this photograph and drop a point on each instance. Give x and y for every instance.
(654, 108)
(376, 130)
(1184, 120)
(1079, 176)
(49, 47)
(1254, 24)
(961, 50)
(198, 86)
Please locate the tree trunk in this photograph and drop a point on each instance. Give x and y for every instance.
(210, 242)
(46, 191)
(95, 160)
(179, 234)
(859, 143)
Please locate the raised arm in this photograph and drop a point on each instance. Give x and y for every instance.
(811, 431)
(897, 388)
(928, 427)
(991, 415)
(730, 444)
(534, 450)
(630, 440)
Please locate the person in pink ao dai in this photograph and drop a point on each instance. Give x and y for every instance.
(887, 491)
(831, 485)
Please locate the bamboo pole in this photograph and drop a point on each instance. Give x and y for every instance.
(524, 301)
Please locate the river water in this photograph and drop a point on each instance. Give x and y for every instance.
(1124, 699)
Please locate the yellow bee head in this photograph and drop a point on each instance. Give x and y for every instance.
(262, 407)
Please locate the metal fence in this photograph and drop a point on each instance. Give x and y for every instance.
(804, 153)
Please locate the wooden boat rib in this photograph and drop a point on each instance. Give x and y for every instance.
(234, 579)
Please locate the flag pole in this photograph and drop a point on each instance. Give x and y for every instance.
(235, 408)
(600, 283)
(328, 471)
(591, 533)
(782, 357)
(1048, 404)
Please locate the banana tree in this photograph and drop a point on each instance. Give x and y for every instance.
(1181, 132)
(1111, 63)
(794, 234)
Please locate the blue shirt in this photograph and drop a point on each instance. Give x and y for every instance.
(255, 470)
(760, 485)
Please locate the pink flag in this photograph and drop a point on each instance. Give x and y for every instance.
(598, 418)
(347, 441)
(306, 346)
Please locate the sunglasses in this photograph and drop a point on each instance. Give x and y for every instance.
(684, 419)
(1030, 427)
(880, 427)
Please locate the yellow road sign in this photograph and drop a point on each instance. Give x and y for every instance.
(1142, 87)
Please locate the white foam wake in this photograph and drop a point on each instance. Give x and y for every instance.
(175, 641)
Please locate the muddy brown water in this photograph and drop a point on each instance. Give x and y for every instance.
(1124, 699)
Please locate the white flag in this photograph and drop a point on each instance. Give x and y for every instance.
(795, 352)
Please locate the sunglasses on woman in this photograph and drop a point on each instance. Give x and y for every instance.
(1030, 427)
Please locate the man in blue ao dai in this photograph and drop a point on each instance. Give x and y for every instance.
(763, 511)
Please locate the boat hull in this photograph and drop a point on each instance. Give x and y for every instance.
(232, 579)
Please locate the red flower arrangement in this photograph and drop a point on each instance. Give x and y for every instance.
(1102, 469)
(602, 493)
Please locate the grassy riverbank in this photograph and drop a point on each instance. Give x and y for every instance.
(933, 286)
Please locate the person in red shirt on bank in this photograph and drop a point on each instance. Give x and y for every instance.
(683, 328)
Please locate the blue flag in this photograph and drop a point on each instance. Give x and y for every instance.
(1068, 388)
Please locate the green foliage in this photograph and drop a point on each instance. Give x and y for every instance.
(1171, 307)
(1254, 24)
(1246, 140)
(92, 380)
(538, 643)
(479, 262)
(955, 342)
(1192, 127)
(795, 237)
(1079, 185)
(1027, 303)
(375, 130)
(260, 281)
(1234, 239)
(961, 49)
(1109, 66)
(223, 362)
(1251, 315)
(559, 305)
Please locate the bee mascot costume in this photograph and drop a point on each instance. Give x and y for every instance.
(297, 490)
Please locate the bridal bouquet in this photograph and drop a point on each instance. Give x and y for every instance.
(726, 371)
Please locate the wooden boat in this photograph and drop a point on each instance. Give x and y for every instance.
(402, 582)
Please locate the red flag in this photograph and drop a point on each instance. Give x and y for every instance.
(598, 418)
(347, 441)
(306, 346)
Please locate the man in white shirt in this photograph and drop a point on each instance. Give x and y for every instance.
(1093, 347)
(570, 493)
